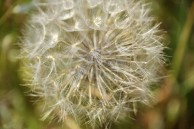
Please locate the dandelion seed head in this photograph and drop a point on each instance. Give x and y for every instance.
(92, 59)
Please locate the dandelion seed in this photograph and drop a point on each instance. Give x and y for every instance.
(92, 59)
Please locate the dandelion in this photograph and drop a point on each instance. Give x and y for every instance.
(92, 60)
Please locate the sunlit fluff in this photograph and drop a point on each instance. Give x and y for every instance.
(91, 60)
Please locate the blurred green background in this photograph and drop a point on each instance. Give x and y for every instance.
(174, 105)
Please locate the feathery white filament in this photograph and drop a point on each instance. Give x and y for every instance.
(92, 58)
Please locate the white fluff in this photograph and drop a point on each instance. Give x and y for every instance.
(92, 59)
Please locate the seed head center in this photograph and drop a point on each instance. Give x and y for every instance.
(95, 55)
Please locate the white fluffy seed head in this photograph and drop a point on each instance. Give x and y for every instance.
(92, 59)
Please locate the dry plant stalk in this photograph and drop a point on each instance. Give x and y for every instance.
(91, 60)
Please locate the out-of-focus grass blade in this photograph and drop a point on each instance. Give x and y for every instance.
(182, 42)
